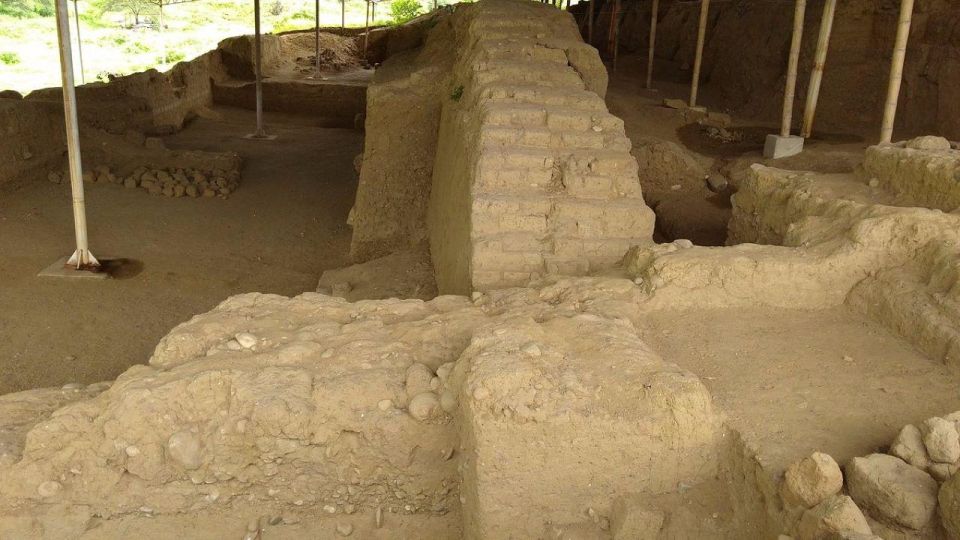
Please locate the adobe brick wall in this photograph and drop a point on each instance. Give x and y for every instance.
(533, 175)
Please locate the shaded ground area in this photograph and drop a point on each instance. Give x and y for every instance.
(277, 234)
(797, 381)
(677, 154)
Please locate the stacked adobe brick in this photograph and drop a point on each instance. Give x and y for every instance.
(552, 186)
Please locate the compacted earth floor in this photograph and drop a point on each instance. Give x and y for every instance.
(277, 233)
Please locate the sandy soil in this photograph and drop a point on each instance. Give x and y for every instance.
(277, 233)
(796, 381)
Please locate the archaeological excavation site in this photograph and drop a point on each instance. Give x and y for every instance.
(512, 269)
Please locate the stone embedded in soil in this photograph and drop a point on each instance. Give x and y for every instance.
(423, 406)
(184, 448)
(49, 488)
(949, 499)
(344, 529)
(191, 191)
(418, 379)
(941, 439)
(130, 182)
(631, 519)
(909, 447)
(889, 488)
(834, 516)
(55, 177)
(942, 471)
(811, 480)
(929, 142)
(246, 340)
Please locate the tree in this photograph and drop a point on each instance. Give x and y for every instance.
(158, 4)
(26, 8)
(137, 8)
(404, 10)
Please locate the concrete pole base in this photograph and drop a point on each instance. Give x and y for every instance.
(777, 147)
(61, 269)
(259, 137)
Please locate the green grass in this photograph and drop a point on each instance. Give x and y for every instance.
(110, 46)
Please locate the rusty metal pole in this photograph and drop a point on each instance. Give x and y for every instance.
(698, 59)
(653, 41)
(789, 92)
(81, 259)
(896, 71)
(819, 61)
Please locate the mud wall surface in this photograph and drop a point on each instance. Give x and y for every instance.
(533, 175)
(338, 104)
(748, 41)
(404, 100)
(31, 138)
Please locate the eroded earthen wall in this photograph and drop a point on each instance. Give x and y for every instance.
(533, 176)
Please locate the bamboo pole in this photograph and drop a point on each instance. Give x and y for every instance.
(653, 41)
(790, 91)
(698, 59)
(820, 60)
(81, 258)
(896, 71)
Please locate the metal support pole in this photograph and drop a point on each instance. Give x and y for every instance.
(343, 14)
(81, 259)
(896, 71)
(653, 41)
(790, 91)
(76, 14)
(373, 11)
(820, 60)
(366, 32)
(698, 59)
(590, 21)
(316, 34)
(260, 133)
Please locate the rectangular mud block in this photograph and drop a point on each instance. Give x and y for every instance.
(777, 147)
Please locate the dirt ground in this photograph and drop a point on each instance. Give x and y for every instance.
(277, 233)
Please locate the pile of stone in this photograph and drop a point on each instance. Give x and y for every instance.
(899, 493)
(174, 182)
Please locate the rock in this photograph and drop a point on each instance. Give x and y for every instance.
(835, 515)
(418, 379)
(448, 401)
(385, 404)
(890, 488)
(130, 182)
(49, 488)
(950, 506)
(812, 480)
(246, 340)
(531, 349)
(942, 471)
(909, 447)
(168, 191)
(154, 143)
(941, 439)
(630, 519)
(184, 448)
(929, 142)
(344, 529)
(683, 243)
(154, 189)
(55, 177)
(207, 192)
(191, 191)
(675, 104)
(717, 120)
(178, 191)
(717, 183)
(423, 406)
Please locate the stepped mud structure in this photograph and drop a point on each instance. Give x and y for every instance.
(574, 378)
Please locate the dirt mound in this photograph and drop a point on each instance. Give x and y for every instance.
(298, 52)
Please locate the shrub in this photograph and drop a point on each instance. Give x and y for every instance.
(9, 58)
(404, 10)
(172, 57)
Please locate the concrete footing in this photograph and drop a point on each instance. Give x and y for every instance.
(777, 147)
(60, 269)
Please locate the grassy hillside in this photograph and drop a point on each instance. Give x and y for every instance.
(114, 43)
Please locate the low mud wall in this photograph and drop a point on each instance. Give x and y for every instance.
(338, 104)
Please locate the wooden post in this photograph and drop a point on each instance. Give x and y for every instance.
(366, 32)
(590, 21)
(896, 71)
(698, 59)
(819, 61)
(653, 41)
(790, 91)
(615, 23)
